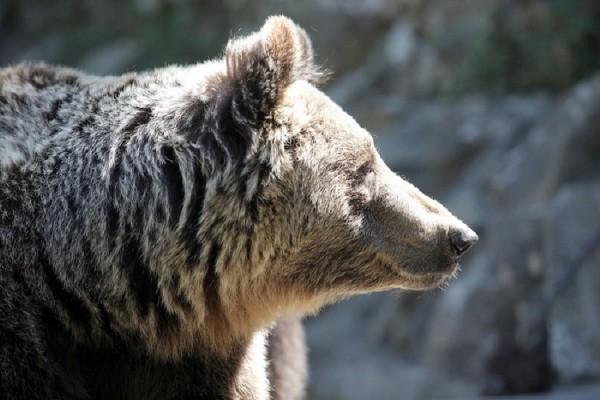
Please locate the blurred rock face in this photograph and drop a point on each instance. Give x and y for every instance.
(490, 106)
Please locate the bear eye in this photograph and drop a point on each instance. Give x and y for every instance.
(290, 144)
(366, 178)
(371, 181)
(364, 187)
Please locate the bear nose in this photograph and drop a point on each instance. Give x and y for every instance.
(461, 241)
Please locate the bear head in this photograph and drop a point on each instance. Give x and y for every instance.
(307, 211)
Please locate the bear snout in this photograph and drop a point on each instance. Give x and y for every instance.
(462, 240)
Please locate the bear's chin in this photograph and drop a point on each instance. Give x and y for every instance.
(429, 280)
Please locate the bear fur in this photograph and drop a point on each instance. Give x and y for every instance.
(155, 226)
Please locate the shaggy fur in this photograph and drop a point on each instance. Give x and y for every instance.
(154, 226)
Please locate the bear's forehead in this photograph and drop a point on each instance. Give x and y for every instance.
(305, 105)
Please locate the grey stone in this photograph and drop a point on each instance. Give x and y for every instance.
(348, 362)
(401, 43)
(560, 148)
(464, 325)
(574, 325)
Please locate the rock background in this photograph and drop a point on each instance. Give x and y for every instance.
(491, 106)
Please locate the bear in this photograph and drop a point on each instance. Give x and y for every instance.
(156, 226)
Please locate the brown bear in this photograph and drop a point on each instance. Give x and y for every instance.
(155, 226)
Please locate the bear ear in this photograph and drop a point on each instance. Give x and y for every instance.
(258, 69)
(261, 65)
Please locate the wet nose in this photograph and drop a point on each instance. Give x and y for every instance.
(462, 240)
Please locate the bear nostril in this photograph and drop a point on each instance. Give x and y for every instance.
(462, 241)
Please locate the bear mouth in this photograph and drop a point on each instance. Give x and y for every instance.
(431, 279)
(417, 278)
